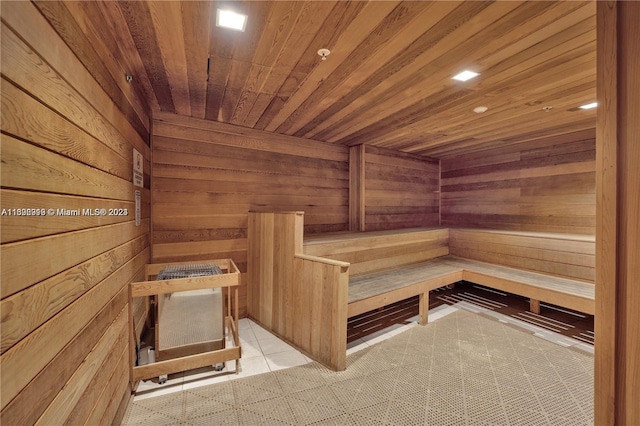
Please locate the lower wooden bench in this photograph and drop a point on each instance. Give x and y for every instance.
(374, 290)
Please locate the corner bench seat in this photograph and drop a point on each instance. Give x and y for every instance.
(304, 288)
(376, 289)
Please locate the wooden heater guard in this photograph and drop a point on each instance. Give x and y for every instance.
(229, 279)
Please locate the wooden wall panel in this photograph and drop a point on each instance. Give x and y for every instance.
(376, 250)
(545, 185)
(617, 334)
(68, 133)
(400, 190)
(566, 255)
(207, 176)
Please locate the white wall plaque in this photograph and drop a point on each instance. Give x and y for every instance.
(138, 175)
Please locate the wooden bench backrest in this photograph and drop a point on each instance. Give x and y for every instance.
(566, 255)
(373, 251)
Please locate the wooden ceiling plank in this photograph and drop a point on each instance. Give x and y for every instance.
(238, 73)
(255, 78)
(458, 118)
(504, 140)
(216, 83)
(510, 92)
(104, 42)
(280, 23)
(498, 116)
(139, 21)
(386, 31)
(166, 17)
(414, 113)
(124, 49)
(438, 69)
(404, 40)
(243, 49)
(489, 71)
(393, 84)
(336, 23)
(196, 24)
(308, 23)
(339, 18)
(358, 29)
(506, 115)
(523, 124)
(555, 21)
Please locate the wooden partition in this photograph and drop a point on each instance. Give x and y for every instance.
(208, 175)
(300, 298)
(544, 185)
(67, 153)
(566, 255)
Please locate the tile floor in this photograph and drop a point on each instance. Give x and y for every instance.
(263, 352)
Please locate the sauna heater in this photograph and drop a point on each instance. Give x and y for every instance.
(189, 322)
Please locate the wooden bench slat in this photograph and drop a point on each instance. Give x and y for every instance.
(368, 285)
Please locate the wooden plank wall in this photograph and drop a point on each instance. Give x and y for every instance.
(545, 185)
(66, 145)
(207, 176)
(400, 190)
(566, 255)
(376, 250)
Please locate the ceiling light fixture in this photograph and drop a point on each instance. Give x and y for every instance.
(465, 75)
(480, 109)
(232, 20)
(589, 106)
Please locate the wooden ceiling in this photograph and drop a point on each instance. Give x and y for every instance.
(387, 81)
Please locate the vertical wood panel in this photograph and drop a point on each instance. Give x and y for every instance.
(546, 185)
(67, 142)
(357, 188)
(617, 365)
(302, 300)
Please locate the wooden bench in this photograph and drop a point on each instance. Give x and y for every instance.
(567, 256)
(303, 290)
(396, 251)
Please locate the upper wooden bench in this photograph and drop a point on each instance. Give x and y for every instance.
(304, 290)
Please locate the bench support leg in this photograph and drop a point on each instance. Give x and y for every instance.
(534, 306)
(423, 308)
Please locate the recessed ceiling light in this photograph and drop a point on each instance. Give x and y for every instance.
(480, 109)
(465, 75)
(232, 20)
(589, 106)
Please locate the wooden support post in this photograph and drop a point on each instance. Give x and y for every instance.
(534, 306)
(617, 335)
(423, 308)
(356, 188)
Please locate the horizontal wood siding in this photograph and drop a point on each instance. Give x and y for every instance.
(375, 250)
(67, 144)
(546, 185)
(207, 176)
(400, 190)
(566, 255)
